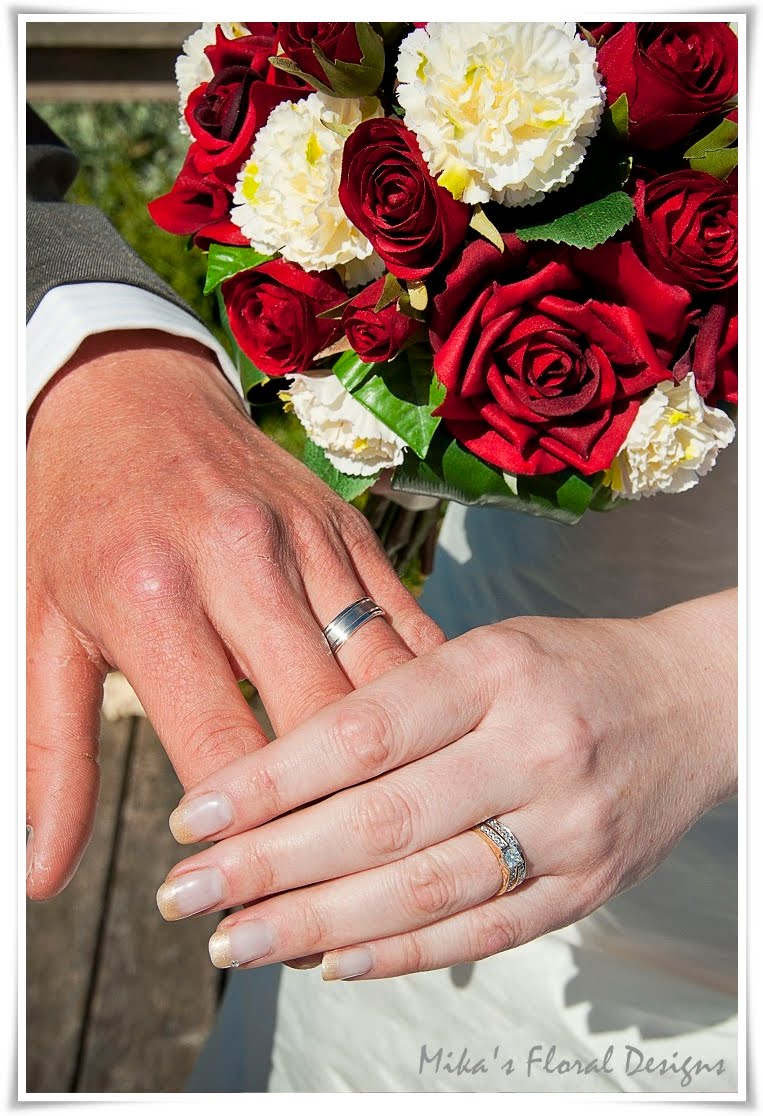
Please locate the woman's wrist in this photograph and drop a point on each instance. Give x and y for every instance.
(696, 645)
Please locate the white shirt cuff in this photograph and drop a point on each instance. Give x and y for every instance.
(70, 313)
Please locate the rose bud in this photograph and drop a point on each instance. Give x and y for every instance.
(339, 59)
(688, 225)
(674, 75)
(273, 314)
(388, 193)
(337, 41)
(198, 205)
(376, 336)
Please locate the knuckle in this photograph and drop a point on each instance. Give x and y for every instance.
(363, 735)
(577, 742)
(311, 930)
(431, 886)
(260, 874)
(412, 959)
(209, 740)
(383, 822)
(356, 532)
(150, 574)
(495, 934)
(263, 790)
(309, 530)
(248, 530)
(569, 748)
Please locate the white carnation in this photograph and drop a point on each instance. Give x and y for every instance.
(193, 67)
(356, 443)
(673, 442)
(287, 194)
(502, 111)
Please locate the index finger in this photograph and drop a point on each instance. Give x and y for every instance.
(373, 730)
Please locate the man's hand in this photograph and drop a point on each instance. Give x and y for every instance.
(169, 538)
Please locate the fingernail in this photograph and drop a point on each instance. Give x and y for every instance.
(349, 963)
(239, 944)
(197, 818)
(190, 894)
(29, 849)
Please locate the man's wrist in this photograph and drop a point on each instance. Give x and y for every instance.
(71, 312)
(122, 367)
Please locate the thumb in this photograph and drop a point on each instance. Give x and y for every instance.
(64, 693)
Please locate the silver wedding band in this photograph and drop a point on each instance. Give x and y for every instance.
(508, 851)
(349, 621)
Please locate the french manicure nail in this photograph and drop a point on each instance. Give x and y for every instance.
(196, 819)
(346, 964)
(190, 894)
(239, 944)
(29, 849)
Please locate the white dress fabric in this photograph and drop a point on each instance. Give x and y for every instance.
(650, 975)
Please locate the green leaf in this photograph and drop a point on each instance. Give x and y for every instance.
(615, 119)
(282, 427)
(402, 394)
(250, 374)
(281, 62)
(482, 224)
(450, 472)
(351, 370)
(588, 226)
(723, 136)
(392, 31)
(225, 260)
(718, 163)
(349, 488)
(714, 153)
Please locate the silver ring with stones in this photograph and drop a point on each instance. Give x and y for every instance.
(349, 621)
(510, 850)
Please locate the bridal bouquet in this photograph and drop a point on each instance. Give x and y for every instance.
(493, 263)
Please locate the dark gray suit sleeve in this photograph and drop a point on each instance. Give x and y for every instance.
(72, 243)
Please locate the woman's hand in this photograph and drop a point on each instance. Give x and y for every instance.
(598, 742)
(169, 537)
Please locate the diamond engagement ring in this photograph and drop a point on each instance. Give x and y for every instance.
(507, 851)
(349, 621)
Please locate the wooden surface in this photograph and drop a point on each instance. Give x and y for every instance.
(117, 999)
(103, 61)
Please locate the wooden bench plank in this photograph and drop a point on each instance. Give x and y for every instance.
(62, 934)
(76, 33)
(156, 992)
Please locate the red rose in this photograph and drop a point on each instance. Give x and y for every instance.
(714, 357)
(540, 378)
(338, 41)
(273, 313)
(198, 205)
(618, 275)
(726, 386)
(674, 75)
(388, 193)
(688, 225)
(376, 336)
(225, 113)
